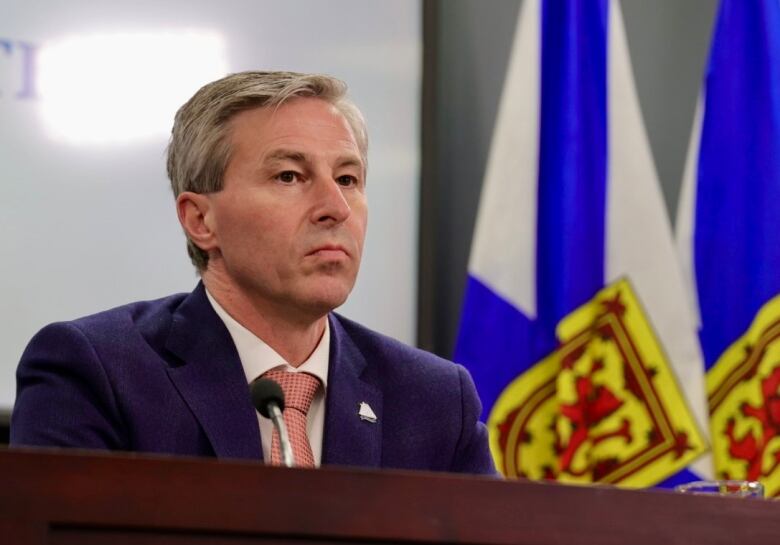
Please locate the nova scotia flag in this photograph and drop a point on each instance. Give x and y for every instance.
(728, 229)
(576, 324)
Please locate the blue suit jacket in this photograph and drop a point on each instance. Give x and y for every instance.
(164, 377)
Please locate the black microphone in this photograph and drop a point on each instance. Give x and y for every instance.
(268, 399)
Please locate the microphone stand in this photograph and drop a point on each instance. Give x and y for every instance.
(284, 438)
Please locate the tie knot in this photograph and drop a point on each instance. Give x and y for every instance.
(298, 388)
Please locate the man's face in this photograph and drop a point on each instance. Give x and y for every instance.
(290, 220)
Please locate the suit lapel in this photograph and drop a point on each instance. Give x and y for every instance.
(211, 380)
(348, 439)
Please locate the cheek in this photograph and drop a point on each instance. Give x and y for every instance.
(360, 231)
(356, 227)
(242, 225)
(359, 219)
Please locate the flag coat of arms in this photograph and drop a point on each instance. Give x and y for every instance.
(728, 229)
(576, 324)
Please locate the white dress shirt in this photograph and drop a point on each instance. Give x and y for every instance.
(257, 358)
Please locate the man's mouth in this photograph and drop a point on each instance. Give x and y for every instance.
(329, 251)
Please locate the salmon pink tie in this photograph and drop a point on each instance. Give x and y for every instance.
(299, 390)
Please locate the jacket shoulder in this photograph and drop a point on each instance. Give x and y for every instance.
(81, 367)
(384, 348)
(117, 319)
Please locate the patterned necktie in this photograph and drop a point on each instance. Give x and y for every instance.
(299, 390)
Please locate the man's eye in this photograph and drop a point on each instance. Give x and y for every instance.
(288, 176)
(347, 180)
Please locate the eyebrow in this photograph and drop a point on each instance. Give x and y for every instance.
(350, 161)
(300, 157)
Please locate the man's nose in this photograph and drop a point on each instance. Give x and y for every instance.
(331, 205)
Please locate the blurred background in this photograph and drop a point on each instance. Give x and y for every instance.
(88, 90)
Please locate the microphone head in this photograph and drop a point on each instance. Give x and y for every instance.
(264, 393)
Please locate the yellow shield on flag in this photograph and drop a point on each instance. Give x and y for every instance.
(603, 407)
(743, 390)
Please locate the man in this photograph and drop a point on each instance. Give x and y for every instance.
(269, 174)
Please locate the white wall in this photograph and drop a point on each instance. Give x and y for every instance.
(88, 225)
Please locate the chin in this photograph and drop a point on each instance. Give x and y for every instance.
(328, 299)
(327, 304)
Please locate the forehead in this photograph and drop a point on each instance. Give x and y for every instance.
(307, 122)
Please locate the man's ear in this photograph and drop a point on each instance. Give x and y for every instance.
(196, 218)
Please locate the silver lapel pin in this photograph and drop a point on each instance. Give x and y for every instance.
(366, 413)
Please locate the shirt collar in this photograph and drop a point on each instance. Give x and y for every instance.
(257, 357)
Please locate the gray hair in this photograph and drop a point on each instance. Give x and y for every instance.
(199, 149)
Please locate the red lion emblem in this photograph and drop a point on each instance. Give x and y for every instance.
(750, 448)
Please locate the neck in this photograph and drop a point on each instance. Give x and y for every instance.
(294, 336)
